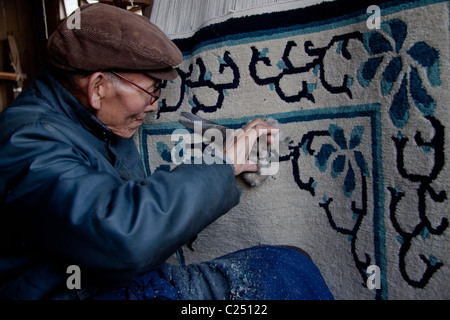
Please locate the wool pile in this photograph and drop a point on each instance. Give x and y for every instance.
(363, 95)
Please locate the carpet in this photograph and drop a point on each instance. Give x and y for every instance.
(363, 94)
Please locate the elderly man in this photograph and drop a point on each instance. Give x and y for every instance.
(73, 192)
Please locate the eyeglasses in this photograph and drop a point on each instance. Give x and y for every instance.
(154, 95)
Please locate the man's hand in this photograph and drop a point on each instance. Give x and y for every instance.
(241, 142)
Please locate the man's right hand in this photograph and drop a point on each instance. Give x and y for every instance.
(241, 142)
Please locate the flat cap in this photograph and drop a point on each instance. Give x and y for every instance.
(111, 38)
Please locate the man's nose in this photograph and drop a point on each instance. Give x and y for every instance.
(151, 107)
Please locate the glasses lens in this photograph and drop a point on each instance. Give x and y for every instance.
(155, 96)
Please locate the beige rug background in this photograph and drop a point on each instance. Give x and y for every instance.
(364, 177)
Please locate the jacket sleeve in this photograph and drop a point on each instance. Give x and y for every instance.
(91, 218)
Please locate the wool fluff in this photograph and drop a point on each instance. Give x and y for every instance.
(261, 152)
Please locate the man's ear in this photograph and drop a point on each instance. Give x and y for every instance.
(96, 89)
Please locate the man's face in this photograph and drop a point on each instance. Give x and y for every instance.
(125, 105)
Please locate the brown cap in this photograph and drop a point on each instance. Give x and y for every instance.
(111, 38)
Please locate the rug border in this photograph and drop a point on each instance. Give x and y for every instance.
(373, 111)
(206, 39)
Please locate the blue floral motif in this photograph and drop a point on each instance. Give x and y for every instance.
(164, 151)
(344, 157)
(165, 154)
(402, 68)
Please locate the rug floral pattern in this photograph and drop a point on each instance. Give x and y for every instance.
(363, 177)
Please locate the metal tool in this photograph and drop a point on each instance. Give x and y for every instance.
(190, 120)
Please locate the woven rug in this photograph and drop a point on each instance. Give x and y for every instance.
(363, 96)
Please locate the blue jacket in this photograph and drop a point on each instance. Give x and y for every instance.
(72, 193)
